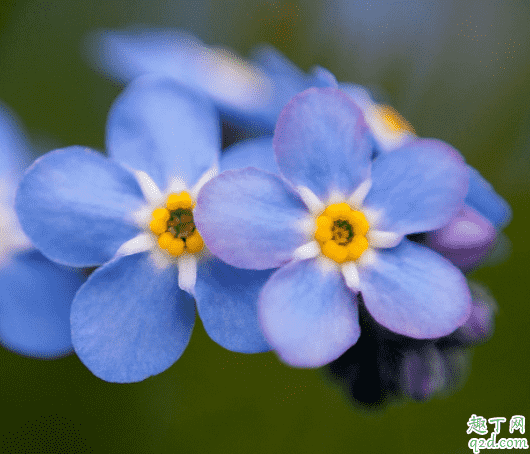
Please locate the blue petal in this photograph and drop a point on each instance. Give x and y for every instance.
(279, 67)
(419, 187)
(308, 315)
(483, 198)
(227, 304)
(250, 219)
(74, 205)
(286, 78)
(254, 152)
(413, 291)
(14, 147)
(126, 54)
(159, 127)
(237, 87)
(321, 141)
(323, 77)
(35, 299)
(131, 320)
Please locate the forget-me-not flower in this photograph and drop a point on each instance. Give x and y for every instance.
(133, 216)
(257, 90)
(247, 92)
(335, 226)
(469, 237)
(35, 294)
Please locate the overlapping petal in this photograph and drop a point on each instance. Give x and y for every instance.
(35, 299)
(159, 127)
(466, 240)
(483, 198)
(227, 304)
(254, 152)
(130, 320)
(417, 188)
(236, 86)
(75, 206)
(322, 142)
(308, 315)
(413, 291)
(250, 218)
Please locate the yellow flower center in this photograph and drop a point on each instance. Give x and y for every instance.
(174, 225)
(341, 232)
(394, 121)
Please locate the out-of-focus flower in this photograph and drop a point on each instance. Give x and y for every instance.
(383, 366)
(338, 228)
(134, 215)
(35, 294)
(249, 92)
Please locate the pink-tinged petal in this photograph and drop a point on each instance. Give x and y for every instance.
(466, 240)
(307, 314)
(414, 291)
(322, 142)
(418, 187)
(250, 218)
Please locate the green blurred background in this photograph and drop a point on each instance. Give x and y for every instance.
(431, 60)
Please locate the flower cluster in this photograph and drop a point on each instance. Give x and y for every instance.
(132, 216)
(343, 222)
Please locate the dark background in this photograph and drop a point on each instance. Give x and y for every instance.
(432, 61)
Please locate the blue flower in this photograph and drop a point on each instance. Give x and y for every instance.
(250, 93)
(133, 215)
(469, 237)
(335, 226)
(466, 240)
(35, 294)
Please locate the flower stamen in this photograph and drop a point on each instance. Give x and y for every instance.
(341, 232)
(393, 120)
(174, 225)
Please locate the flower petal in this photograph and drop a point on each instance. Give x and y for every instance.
(286, 80)
(322, 142)
(130, 320)
(159, 127)
(419, 187)
(307, 314)
(14, 146)
(254, 152)
(227, 304)
(483, 198)
(413, 291)
(35, 299)
(235, 85)
(480, 325)
(250, 219)
(387, 136)
(466, 240)
(76, 206)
